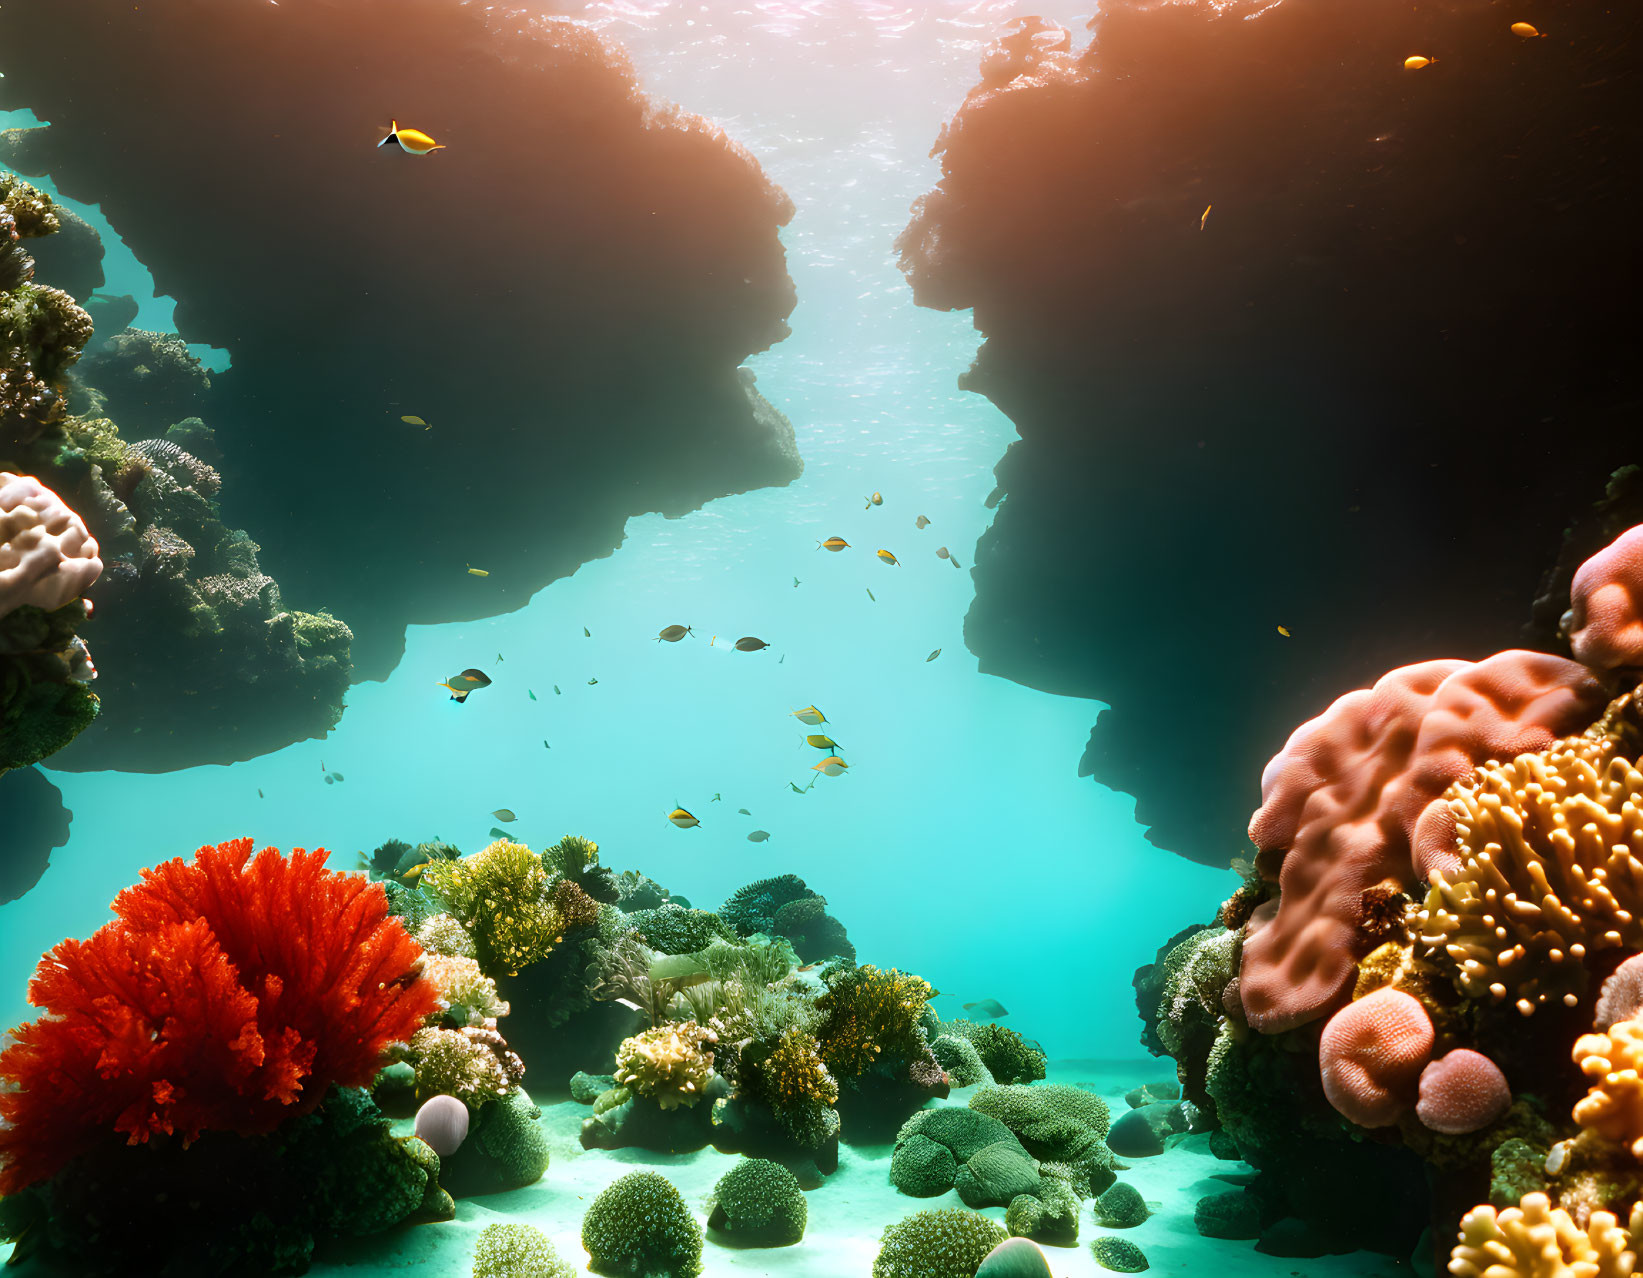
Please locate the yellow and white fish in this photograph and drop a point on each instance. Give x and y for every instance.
(832, 766)
(682, 819)
(810, 715)
(410, 141)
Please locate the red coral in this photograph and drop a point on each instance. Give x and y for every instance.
(227, 997)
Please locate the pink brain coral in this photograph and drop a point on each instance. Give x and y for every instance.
(1462, 1092)
(47, 557)
(1371, 1055)
(1605, 620)
(1354, 799)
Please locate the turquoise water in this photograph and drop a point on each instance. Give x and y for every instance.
(960, 845)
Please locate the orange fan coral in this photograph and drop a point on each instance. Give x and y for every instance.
(227, 996)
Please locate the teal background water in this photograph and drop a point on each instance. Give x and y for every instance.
(961, 844)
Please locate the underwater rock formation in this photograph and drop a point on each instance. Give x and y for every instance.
(36, 824)
(1252, 339)
(570, 328)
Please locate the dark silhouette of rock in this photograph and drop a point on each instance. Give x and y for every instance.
(35, 822)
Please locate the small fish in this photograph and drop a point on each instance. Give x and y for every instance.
(810, 715)
(932, 656)
(586, 633)
(921, 522)
(888, 558)
(795, 583)
(556, 691)
(499, 658)
(672, 634)
(1417, 63)
(532, 694)
(545, 744)
(794, 788)
(744, 811)
(988, 1007)
(822, 743)
(758, 836)
(781, 659)
(469, 681)
(832, 766)
(411, 419)
(499, 834)
(943, 553)
(1527, 30)
(877, 499)
(591, 682)
(478, 572)
(336, 776)
(414, 873)
(322, 766)
(682, 819)
(835, 544)
(632, 1007)
(717, 798)
(259, 794)
(871, 595)
(747, 643)
(1284, 631)
(505, 814)
(1205, 217)
(410, 141)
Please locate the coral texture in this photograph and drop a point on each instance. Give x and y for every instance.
(47, 557)
(518, 1251)
(1613, 1107)
(937, 1244)
(1461, 1092)
(501, 896)
(1371, 1056)
(1605, 621)
(667, 1064)
(1355, 799)
(228, 995)
(1550, 871)
(871, 1017)
(759, 1201)
(640, 1227)
(1537, 1240)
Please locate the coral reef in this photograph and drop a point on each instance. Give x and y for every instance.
(871, 1036)
(506, 1149)
(960, 1060)
(937, 1244)
(672, 929)
(148, 380)
(639, 1226)
(667, 1064)
(1002, 1052)
(501, 896)
(1372, 1054)
(671, 249)
(513, 1251)
(760, 1202)
(1120, 1207)
(1605, 620)
(784, 906)
(1052, 1216)
(272, 978)
(1537, 1240)
(472, 1063)
(1462, 1092)
(1093, 272)
(47, 558)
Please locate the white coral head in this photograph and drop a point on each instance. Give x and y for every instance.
(47, 556)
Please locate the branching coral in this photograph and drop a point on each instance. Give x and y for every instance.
(501, 895)
(577, 860)
(792, 1079)
(871, 1018)
(668, 1063)
(472, 1064)
(228, 995)
(1613, 1108)
(1551, 871)
(469, 995)
(1537, 1240)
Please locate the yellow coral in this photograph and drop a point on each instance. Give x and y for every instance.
(1537, 1240)
(1613, 1108)
(869, 1015)
(667, 1063)
(1551, 849)
(500, 896)
(793, 1074)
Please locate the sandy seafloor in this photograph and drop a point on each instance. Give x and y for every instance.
(848, 1214)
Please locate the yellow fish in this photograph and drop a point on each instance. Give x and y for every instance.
(889, 558)
(410, 141)
(411, 419)
(478, 572)
(1205, 217)
(822, 743)
(877, 499)
(1417, 63)
(414, 873)
(810, 715)
(682, 819)
(1284, 631)
(832, 766)
(835, 544)
(1527, 30)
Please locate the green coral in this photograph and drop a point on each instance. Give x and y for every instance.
(1009, 1058)
(759, 960)
(44, 328)
(959, 1058)
(1031, 1112)
(760, 1202)
(42, 708)
(815, 933)
(1119, 1255)
(672, 929)
(870, 1018)
(1121, 1207)
(506, 1148)
(753, 908)
(921, 1168)
(518, 1251)
(949, 1243)
(1050, 1216)
(639, 1227)
(35, 211)
(500, 895)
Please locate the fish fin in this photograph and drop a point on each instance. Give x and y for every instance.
(386, 140)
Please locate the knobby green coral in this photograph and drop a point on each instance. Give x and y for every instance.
(471, 1064)
(639, 1227)
(667, 1063)
(950, 1243)
(759, 1201)
(518, 1251)
(501, 896)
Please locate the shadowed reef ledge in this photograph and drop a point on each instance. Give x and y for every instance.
(565, 293)
(1359, 399)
